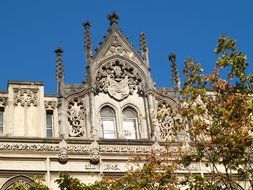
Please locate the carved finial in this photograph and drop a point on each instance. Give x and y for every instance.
(59, 66)
(113, 18)
(174, 70)
(143, 42)
(88, 43)
(144, 49)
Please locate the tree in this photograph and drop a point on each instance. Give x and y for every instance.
(217, 112)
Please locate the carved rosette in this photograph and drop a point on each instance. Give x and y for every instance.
(164, 122)
(76, 118)
(3, 101)
(26, 98)
(118, 79)
(50, 105)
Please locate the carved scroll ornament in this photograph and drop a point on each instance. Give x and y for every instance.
(118, 79)
(76, 118)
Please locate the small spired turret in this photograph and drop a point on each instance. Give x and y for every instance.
(175, 75)
(59, 68)
(144, 49)
(88, 43)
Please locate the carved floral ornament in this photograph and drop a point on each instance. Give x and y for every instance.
(76, 117)
(163, 122)
(25, 97)
(50, 105)
(118, 79)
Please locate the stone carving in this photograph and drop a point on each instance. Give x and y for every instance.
(164, 122)
(118, 79)
(76, 118)
(50, 105)
(26, 98)
(29, 147)
(74, 148)
(111, 167)
(17, 181)
(90, 166)
(115, 49)
(95, 155)
(63, 156)
(3, 101)
(63, 153)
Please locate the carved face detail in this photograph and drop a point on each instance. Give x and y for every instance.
(63, 156)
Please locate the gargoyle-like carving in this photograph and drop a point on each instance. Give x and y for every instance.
(76, 118)
(118, 79)
(3, 101)
(25, 97)
(50, 105)
(63, 156)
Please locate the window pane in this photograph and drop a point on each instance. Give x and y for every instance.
(49, 125)
(49, 119)
(129, 113)
(106, 112)
(49, 133)
(1, 122)
(129, 129)
(109, 129)
(1, 129)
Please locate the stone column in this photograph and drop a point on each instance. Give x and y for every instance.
(92, 115)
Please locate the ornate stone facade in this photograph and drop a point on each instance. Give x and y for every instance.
(81, 129)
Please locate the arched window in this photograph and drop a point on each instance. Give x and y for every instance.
(108, 123)
(130, 123)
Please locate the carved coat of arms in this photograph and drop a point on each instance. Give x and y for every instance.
(117, 79)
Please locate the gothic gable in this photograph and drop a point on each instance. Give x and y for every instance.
(116, 44)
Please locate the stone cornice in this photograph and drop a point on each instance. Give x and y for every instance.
(74, 148)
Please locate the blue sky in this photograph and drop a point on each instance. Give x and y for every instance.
(31, 30)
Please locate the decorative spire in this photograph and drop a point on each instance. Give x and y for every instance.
(113, 18)
(59, 67)
(144, 48)
(87, 39)
(143, 42)
(174, 70)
